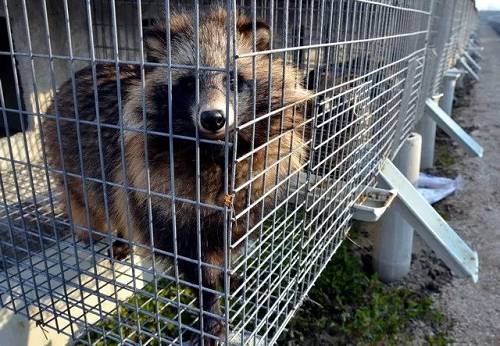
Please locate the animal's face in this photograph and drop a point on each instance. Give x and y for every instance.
(205, 98)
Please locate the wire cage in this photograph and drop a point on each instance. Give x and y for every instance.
(452, 24)
(176, 172)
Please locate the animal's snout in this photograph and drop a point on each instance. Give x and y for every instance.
(212, 120)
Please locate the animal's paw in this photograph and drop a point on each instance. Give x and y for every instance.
(119, 250)
(216, 330)
(85, 236)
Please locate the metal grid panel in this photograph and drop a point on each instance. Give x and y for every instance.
(228, 234)
(452, 24)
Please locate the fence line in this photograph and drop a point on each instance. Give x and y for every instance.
(179, 171)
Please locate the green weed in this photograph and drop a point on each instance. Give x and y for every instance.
(349, 306)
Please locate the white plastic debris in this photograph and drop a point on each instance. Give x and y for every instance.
(435, 189)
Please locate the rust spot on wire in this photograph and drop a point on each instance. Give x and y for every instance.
(228, 200)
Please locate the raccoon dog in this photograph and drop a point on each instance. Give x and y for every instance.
(98, 135)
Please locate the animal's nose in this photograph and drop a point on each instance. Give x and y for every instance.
(212, 120)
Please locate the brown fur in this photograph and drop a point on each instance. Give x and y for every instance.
(127, 202)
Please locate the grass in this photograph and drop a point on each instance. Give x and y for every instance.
(443, 209)
(349, 306)
(445, 157)
(444, 163)
(140, 309)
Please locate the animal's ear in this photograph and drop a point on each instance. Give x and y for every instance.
(262, 33)
(155, 44)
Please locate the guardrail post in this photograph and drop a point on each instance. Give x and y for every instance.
(394, 236)
(426, 127)
(449, 83)
(460, 81)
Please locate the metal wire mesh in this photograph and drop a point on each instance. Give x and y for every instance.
(124, 220)
(452, 24)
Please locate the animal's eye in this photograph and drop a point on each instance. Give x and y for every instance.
(188, 82)
(242, 83)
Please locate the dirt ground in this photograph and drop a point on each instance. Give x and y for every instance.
(474, 211)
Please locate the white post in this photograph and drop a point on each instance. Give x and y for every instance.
(394, 236)
(426, 127)
(460, 81)
(449, 83)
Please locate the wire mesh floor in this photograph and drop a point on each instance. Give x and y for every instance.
(65, 284)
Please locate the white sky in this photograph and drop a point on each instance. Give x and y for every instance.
(488, 4)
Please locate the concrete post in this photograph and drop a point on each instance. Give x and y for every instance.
(460, 81)
(426, 127)
(449, 83)
(394, 236)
